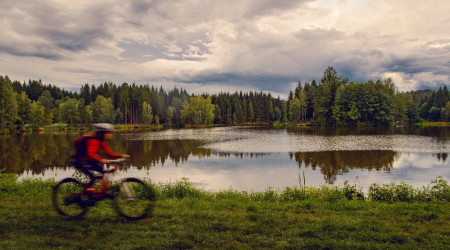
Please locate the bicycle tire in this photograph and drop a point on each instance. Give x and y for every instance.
(134, 200)
(67, 198)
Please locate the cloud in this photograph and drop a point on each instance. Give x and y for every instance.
(261, 45)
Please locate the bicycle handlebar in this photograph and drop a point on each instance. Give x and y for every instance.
(118, 160)
(116, 164)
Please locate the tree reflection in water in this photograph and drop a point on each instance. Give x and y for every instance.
(35, 153)
(333, 163)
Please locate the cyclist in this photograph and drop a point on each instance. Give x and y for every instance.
(88, 146)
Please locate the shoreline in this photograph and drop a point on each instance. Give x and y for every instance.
(129, 127)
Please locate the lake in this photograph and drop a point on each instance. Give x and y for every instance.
(250, 158)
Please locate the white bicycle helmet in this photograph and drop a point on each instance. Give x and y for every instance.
(104, 127)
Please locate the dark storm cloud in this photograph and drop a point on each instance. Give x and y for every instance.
(139, 7)
(264, 7)
(74, 41)
(266, 82)
(39, 52)
(75, 70)
(409, 66)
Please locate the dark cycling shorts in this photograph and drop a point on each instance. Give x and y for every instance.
(87, 167)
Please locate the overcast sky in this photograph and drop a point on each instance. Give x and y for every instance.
(225, 45)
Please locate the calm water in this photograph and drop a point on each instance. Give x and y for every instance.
(252, 159)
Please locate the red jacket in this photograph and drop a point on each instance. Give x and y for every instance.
(93, 146)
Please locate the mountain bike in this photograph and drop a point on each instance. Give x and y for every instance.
(132, 198)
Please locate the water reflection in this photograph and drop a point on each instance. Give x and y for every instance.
(146, 154)
(35, 152)
(333, 163)
(266, 157)
(441, 157)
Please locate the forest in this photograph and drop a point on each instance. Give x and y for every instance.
(333, 101)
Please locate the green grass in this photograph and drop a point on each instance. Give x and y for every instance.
(186, 217)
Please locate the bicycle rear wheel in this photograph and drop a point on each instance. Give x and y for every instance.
(134, 200)
(67, 198)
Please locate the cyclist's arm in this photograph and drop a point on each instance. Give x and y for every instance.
(108, 151)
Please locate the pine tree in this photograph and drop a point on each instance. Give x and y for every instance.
(8, 104)
(250, 113)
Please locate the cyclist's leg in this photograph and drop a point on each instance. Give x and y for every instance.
(96, 167)
(89, 168)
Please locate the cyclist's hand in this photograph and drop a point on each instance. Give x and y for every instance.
(105, 161)
(126, 156)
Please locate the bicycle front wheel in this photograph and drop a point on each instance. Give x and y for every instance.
(134, 199)
(67, 198)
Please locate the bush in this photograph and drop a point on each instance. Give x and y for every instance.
(351, 193)
(268, 195)
(404, 192)
(331, 194)
(382, 193)
(27, 187)
(8, 183)
(293, 194)
(231, 195)
(439, 190)
(180, 189)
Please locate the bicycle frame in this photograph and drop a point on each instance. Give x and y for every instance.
(104, 183)
(132, 198)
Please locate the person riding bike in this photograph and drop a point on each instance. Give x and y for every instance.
(88, 146)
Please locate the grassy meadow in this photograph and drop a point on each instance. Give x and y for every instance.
(387, 216)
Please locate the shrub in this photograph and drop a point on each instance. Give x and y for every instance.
(331, 193)
(268, 195)
(293, 194)
(351, 193)
(180, 189)
(231, 195)
(404, 192)
(439, 190)
(381, 193)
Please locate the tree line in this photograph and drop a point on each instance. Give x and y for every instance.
(333, 101)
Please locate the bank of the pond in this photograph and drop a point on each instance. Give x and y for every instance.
(433, 124)
(128, 127)
(185, 217)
